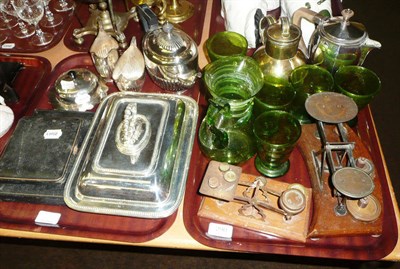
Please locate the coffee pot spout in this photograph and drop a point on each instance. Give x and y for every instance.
(369, 45)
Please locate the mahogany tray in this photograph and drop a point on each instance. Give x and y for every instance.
(21, 216)
(27, 84)
(345, 247)
(193, 26)
(24, 46)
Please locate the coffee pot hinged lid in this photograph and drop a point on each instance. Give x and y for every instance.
(335, 38)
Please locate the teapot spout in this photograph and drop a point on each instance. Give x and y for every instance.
(369, 45)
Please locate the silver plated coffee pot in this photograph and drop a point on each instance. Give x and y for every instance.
(336, 41)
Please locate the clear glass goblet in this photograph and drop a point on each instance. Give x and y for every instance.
(64, 5)
(23, 30)
(32, 11)
(6, 21)
(50, 19)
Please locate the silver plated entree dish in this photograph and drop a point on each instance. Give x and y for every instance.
(135, 157)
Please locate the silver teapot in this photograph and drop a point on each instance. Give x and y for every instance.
(336, 41)
(170, 55)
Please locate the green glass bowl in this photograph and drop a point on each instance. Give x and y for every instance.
(224, 44)
(357, 82)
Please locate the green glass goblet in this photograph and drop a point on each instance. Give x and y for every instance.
(276, 94)
(276, 133)
(307, 80)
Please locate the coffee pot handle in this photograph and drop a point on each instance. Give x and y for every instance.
(261, 24)
(311, 16)
(147, 17)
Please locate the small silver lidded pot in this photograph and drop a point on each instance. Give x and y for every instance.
(104, 53)
(129, 71)
(78, 90)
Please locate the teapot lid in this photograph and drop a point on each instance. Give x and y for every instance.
(342, 31)
(168, 45)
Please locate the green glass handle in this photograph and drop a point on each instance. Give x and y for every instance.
(219, 137)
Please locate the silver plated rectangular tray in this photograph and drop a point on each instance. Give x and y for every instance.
(135, 156)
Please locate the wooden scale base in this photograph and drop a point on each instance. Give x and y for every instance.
(242, 214)
(324, 221)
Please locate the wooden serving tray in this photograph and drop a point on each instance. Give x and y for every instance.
(357, 247)
(346, 247)
(21, 216)
(27, 84)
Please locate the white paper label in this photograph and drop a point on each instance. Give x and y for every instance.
(222, 231)
(67, 84)
(8, 46)
(47, 218)
(52, 134)
(82, 98)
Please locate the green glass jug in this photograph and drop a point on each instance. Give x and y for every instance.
(225, 133)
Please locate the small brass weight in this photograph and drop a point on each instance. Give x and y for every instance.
(114, 23)
(222, 180)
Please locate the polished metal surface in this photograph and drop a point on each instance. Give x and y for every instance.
(331, 107)
(221, 181)
(353, 182)
(171, 58)
(129, 71)
(336, 41)
(102, 13)
(77, 90)
(133, 133)
(110, 177)
(178, 11)
(104, 53)
(366, 209)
